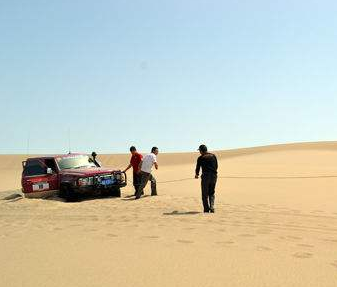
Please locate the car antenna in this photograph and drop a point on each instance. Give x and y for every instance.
(69, 149)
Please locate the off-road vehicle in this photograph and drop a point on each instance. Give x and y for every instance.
(69, 176)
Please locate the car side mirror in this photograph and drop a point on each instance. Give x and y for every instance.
(49, 170)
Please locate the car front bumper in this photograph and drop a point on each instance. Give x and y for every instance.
(97, 188)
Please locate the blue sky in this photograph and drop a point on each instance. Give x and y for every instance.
(167, 73)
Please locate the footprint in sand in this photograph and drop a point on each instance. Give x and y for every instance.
(151, 237)
(75, 225)
(305, 245)
(112, 235)
(317, 211)
(134, 225)
(90, 230)
(264, 231)
(295, 211)
(189, 228)
(293, 237)
(185, 241)
(247, 235)
(302, 255)
(225, 242)
(57, 228)
(263, 248)
(331, 240)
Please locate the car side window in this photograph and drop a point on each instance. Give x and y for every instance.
(34, 167)
(50, 162)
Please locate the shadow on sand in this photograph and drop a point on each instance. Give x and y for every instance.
(176, 212)
(78, 198)
(132, 197)
(85, 197)
(12, 197)
(15, 196)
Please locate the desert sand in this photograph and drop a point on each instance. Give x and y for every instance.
(275, 225)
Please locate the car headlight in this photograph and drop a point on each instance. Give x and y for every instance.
(85, 181)
(119, 176)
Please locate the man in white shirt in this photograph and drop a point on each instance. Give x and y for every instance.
(146, 165)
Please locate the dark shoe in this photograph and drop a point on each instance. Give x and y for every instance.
(154, 194)
(206, 211)
(141, 193)
(212, 211)
(136, 193)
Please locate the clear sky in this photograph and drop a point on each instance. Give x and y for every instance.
(167, 73)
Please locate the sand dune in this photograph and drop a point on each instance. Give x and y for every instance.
(275, 225)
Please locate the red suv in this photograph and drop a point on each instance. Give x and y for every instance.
(69, 176)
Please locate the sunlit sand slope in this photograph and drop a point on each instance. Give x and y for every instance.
(275, 225)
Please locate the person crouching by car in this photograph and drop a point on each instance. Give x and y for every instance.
(146, 165)
(136, 158)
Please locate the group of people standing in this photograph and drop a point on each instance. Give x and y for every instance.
(142, 170)
(142, 174)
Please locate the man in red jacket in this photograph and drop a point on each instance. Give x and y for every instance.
(136, 158)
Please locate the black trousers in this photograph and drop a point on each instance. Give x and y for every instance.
(144, 179)
(136, 181)
(208, 183)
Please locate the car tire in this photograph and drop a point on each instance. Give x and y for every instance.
(68, 193)
(116, 191)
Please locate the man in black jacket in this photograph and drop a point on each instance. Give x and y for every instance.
(94, 160)
(209, 164)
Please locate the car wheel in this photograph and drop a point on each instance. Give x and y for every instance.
(116, 191)
(68, 193)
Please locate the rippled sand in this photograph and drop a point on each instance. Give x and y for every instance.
(275, 225)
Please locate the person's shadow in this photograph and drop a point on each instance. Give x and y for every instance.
(176, 212)
(132, 197)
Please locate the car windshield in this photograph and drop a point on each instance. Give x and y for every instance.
(74, 162)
